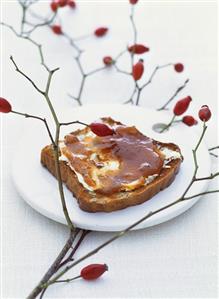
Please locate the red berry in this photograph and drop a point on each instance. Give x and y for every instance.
(71, 4)
(57, 29)
(138, 49)
(138, 70)
(179, 67)
(5, 106)
(133, 2)
(107, 60)
(62, 3)
(101, 129)
(189, 120)
(93, 271)
(204, 113)
(182, 105)
(101, 31)
(54, 6)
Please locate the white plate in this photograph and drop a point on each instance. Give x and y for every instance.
(39, 188)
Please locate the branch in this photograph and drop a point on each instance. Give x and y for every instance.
(210, 177)
(199, 194)
(74, 122)
(24, 75)
(55, 265)
(179, 89)
(39, 118)
(213, 148)
(149, 81)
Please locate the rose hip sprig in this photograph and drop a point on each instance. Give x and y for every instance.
(180, 108)
(54, 5)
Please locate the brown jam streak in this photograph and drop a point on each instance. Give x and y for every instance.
(135, 152)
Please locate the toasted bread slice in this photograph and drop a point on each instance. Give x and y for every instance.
(93, 200)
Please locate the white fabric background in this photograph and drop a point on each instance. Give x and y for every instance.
(176, 259)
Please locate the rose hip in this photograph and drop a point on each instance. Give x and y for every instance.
(138, 70)
(93, 271)
(204, 113)
(182, 105)
(101, 129)
(5, 106)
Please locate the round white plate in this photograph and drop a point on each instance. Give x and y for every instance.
(39, 188)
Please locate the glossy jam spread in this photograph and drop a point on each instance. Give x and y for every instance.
(119, 162)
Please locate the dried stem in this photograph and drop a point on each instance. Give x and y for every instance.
(169, 124)
(73, 123)
(55, 265)
(179, 89)
(56, 146)
(214, 148)
(38, 118)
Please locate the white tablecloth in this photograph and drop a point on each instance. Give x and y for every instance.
(175, 259)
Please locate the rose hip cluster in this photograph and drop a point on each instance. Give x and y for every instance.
(182, 106)
(57, 29)
(54, 5)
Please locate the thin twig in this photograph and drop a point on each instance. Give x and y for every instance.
(24, 75)
(55, 265)
(179, 89)
(38, 118)
(75, 248)
(213, 148)
(74, 122)
(169, 124)
(200, 194)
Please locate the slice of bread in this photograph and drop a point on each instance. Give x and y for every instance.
(93, 200)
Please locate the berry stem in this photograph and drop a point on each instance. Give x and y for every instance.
(169, 124)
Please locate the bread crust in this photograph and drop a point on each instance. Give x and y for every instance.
(91, 201)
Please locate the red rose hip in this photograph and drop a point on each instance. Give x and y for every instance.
(93, 271)
(101, 129)
(204, 113)
(133, 2)
(54, 6)
(5, 106)
(182, 105)
(71, 4)
(179, 67)
(62, 3)
(101, 31)
(57, 29)
(138, 70)
(189, 120)
(107, 60)
(138, 49)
